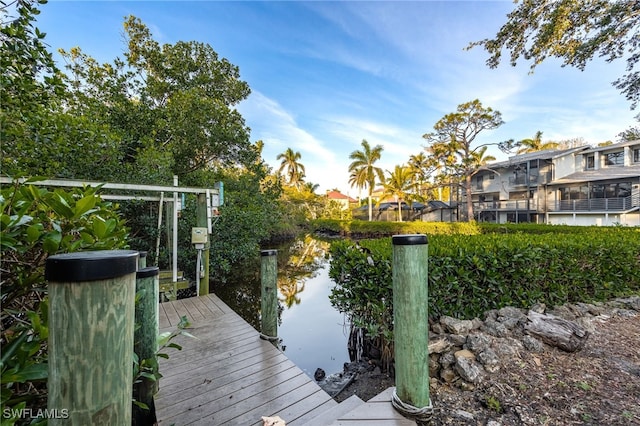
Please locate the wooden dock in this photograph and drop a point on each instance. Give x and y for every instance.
(229, 376)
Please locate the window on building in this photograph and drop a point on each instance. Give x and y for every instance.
(492, 176)
(636, 155)
(591, 162)
(479, 180)
(597, 191)
(614, 158)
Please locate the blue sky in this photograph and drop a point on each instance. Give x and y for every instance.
(326, 75)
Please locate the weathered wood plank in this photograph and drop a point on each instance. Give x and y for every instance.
(262, 396)
(228, 375)
(208, 301)
(206, 311)
(172, 314)
(209, 391)
(181, 309)
(193, 313)
(304, 407)
(219, 303)
(163, 320)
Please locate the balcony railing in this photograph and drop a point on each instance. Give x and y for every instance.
(507, 205)
(597, 204)
(530, 180)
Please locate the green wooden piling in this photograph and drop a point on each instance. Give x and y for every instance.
(411, 318)
(269, 279)
(142, 260)
(201, 221)
(146, 340)
(91, 323)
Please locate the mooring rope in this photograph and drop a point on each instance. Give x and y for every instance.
(422, 416)
(269, 338)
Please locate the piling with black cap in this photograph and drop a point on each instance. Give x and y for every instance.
(142, 259)
(91, 326)
(411, 325)
(269, 305)
(146, 340)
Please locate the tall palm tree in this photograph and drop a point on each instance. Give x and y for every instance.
(362, 171)
(535, 144)
(295, 169)
(421, 167)
(399, 184)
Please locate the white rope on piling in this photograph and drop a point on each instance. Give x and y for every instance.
(269, 338)
(422, 416)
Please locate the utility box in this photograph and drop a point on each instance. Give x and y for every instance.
(199, 236)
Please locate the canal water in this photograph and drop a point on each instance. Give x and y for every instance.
(314, 334)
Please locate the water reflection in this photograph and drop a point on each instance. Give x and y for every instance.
(312, 331)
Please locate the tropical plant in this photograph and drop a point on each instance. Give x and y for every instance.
(176, 100)
(535, 144)
(422, 167)
(363, 173)
(295, 169)
(452, 142)
(36, 222)
(399, 185)
(574, 31)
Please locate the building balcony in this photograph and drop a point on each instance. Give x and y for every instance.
(506, 205)
(532, 179)
(620, 204)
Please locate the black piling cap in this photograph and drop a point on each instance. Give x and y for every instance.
(150, 271)
(409, 240)
(268, 252)
(90, 265)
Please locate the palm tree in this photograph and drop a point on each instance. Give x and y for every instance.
(363, 172)
(535, 144)
(421, 167)
(399, 185)
(295, 169)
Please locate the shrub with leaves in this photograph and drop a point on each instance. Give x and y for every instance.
(36, 222)
(471, 274)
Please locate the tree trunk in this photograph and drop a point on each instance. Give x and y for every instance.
(467, 186)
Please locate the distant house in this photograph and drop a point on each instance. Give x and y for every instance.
(344, 200)
(577, 186)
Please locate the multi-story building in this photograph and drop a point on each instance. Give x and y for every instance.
(577, 186)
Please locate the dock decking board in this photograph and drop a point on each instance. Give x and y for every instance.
(227, 375)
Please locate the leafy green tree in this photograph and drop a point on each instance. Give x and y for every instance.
(631, 134)
(399, 184)
(421, 168)
(38, 137)
(37, 222)
(363, 173)
(454, 137)
(535, 144)
(177, 99)
(295, 169)
(574, 31)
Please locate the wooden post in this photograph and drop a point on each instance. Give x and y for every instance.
(411, 320)
(142, 260)
(146, 340)
(201, 221)
(91, 323)
(269, 280)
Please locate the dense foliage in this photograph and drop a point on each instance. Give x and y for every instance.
(575, 31)
(35, 223)
(365, 229)
(471, 274)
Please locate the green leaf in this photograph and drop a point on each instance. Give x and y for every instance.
(84, 205)
(29, 373)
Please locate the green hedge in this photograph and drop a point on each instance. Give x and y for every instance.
(366, 229)
(470, 274)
